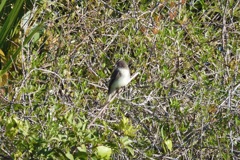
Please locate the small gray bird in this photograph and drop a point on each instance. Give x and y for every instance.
(120, 77)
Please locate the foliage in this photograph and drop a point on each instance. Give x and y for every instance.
(184, 104)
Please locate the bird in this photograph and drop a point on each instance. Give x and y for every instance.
(119, 78)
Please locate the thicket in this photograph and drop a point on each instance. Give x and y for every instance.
(57, 57)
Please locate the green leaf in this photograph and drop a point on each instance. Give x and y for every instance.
(162, 133)
(82, 152)
(7, 26)
(104, 152)
(24, 127)
(70, 118)
(2, 4)
(69, 156)
(127, 127)
(169, 144)
(125, 141)
(130, 149)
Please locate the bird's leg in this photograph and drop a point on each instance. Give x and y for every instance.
(125, 89)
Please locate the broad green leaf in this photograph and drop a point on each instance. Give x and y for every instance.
(69, 156)
(169, 144)
(104, 152)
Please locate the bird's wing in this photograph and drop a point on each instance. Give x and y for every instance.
(115, 75)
